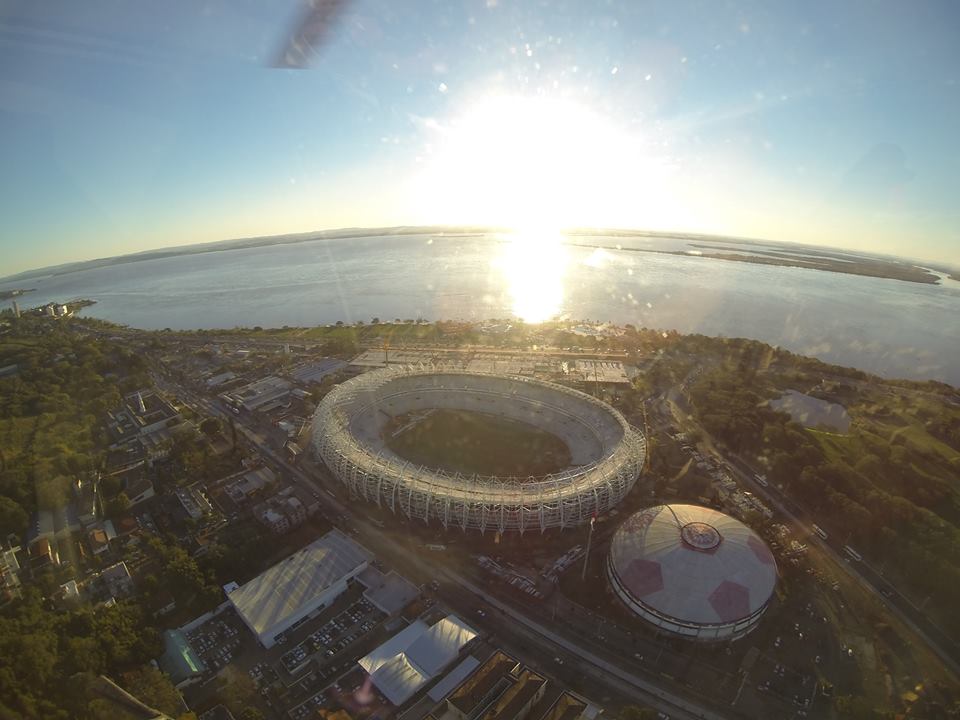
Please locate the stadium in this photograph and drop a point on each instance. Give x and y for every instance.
(692, 572)
(601, 454)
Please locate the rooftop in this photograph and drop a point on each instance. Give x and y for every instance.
(566, 707)
(411, 658)
(316, 371)
(390, 592)
(479, 685)
(693, 564)
(179, 660)
(516, 697)
(291, 584)
(259, 393)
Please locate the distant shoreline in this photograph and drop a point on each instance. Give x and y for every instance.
(876, 268)
(244, 244)
(790, 254)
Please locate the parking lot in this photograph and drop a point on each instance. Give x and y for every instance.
(338, 633)
(219, 640)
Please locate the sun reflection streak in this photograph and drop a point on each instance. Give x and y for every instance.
(534, 264)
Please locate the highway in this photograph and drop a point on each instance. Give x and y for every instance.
(870, 579)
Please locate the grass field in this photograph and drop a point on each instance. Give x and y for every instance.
(476, 443)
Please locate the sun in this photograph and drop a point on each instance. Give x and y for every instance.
(542, 163)
(535, 166)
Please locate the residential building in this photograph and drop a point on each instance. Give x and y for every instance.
(85, 499)
(97, 539)
(141, 413)
(194, 502)
(43, 553)
(116, 579)
(286, 510)
(249, 484)
(9, 574)
(263, 395)
(138, 488)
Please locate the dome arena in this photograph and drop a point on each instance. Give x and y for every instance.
(354, 424)
(692, 571)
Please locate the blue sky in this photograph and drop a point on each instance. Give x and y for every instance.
(126, 128)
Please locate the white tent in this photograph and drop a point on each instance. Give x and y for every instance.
(414, 656)
(439, 646)
(392, 647)
(398, 680)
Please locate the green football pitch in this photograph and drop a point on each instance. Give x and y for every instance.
(475, 443)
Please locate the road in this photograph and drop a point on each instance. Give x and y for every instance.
(869, 578)
(866, 576)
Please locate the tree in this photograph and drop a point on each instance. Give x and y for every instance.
(854, 706)
(52, 492)
(13, 518)
(211, 426)
(153, 687)
(118, 505)
(237, 690)
(250, 713)
(110, 486)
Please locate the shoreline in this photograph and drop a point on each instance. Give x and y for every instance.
(881, 269)
(792, 254)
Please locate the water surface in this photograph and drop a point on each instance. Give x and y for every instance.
(890, 327)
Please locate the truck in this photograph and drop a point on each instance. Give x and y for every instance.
(819, 531)
(853, 554)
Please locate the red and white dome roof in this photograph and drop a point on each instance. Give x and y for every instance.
(693, 564)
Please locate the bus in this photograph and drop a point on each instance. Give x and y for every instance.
(819, 531)
(853, 554)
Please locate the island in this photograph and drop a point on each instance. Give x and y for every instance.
(10, 294)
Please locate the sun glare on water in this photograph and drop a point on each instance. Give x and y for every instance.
(533, 264)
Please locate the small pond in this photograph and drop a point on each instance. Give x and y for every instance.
(812, 412)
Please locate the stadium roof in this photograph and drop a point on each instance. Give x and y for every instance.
(295, 582)
(693, 564)
(418, 653)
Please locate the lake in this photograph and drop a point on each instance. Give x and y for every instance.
(813, 412)
(890, 327)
